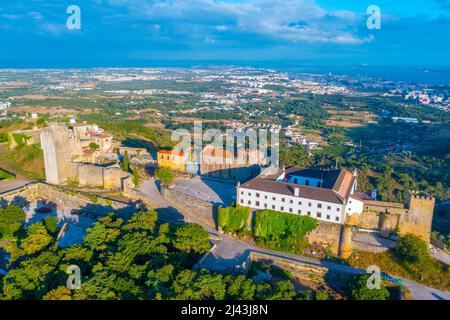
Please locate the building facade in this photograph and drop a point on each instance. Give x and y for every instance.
(325, 196)
(172, 159)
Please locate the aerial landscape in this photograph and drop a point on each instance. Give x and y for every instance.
(213, 178)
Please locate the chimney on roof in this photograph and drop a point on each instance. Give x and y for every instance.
(297, 192)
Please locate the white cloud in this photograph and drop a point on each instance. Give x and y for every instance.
(288, 20)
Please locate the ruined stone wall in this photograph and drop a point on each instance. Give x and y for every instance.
(326, 234)
(65, 199)
(202, 210)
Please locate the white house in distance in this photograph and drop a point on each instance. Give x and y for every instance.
(325, 195)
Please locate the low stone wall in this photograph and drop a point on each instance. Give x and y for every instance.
(202, 210)
(20, 196)
(302, 270)
(326, 234)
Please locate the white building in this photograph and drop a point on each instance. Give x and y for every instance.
(5, 105)
(324, 195)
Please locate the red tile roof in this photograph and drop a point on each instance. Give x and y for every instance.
(171, 152)
(288, 189)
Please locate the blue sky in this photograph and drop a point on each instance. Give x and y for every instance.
(126, 32)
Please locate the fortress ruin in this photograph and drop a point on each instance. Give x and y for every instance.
(71, 154)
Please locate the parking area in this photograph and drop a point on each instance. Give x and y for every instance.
(213, 191)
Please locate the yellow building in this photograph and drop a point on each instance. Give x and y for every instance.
(173, 160)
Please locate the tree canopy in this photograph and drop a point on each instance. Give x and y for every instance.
(10, 221)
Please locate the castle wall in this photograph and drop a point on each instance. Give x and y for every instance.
(57, 150)
(326, 234)
(113, 178)
(413, 217)
(90, 176)
(418, 216)
(204, 211)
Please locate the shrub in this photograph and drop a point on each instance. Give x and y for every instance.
(413, 248)
(358, 290)
(321, 295)
(192, 237)
(51, 223)
(136, 176)
(94, 146)
(233, 219)
(282, 231)
(10, 221)
(165, 175)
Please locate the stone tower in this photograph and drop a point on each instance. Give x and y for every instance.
(418, 215)
(56, 145)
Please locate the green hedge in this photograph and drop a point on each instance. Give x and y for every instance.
(282, 231)
(233, 219)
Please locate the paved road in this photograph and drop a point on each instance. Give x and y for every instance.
(440, 255)
(229, 252)
(10, 185)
